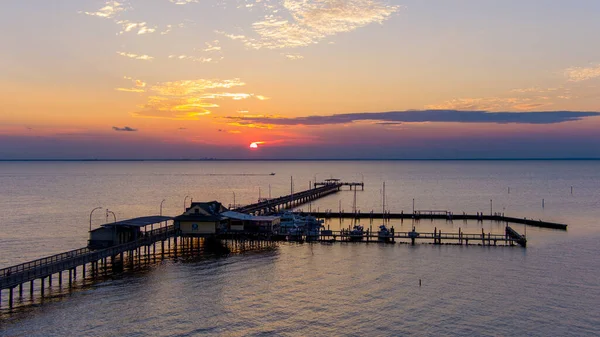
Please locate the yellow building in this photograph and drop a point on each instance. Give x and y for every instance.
(201, 219)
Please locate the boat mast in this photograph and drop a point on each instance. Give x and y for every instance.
(383, 213)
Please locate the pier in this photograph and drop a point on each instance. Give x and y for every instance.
(510, 238)
(292, 200)
(440, 215)
(135, 242)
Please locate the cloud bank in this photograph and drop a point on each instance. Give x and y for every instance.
(421, 116)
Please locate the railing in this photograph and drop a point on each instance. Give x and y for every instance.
(287, 198)
(43, 267)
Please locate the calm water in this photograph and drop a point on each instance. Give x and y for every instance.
(550, 288)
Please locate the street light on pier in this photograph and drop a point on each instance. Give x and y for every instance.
(113, 214)
(184, 200)
(233, 199)
(91, 216)
(161, 206)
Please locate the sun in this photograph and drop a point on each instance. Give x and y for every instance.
(254, 145)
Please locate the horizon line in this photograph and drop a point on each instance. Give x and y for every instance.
(295, 159)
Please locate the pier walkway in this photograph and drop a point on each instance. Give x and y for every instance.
(442, 215)
(510, 238)
(275, 205)
(45, 268)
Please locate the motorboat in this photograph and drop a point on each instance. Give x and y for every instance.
(357, 233)
(384, 234)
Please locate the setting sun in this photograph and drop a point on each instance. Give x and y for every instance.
(254, 146)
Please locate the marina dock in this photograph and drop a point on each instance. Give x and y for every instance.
(440, 215)
(136, 241)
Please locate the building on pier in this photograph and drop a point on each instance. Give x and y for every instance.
(202, 219)
(116, 233)
(241, 222)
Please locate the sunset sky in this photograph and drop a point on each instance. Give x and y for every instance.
(85, 79)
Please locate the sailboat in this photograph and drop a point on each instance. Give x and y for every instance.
(384, 234)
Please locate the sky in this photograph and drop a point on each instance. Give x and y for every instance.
(307, 79)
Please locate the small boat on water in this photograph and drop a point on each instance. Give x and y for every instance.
(384, 234)
(296, 234)
(357, 233)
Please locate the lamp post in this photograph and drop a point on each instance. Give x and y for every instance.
(233, 200)
(91, 216)
(184, 200)
(161, 206)
(113, 214)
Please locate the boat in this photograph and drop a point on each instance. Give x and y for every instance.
(295, 234)
(272, 174)
(357, 233)
(384, 234)
(289, 221)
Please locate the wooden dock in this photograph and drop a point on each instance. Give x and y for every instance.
(45, 268)
(141, 247)
(440, 215)
(275, 205)
(510, 238)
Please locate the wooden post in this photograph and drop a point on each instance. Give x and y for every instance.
(70, 278)
(60, 278)
(20, 290)
(31, 288)
(42, 288)
(10, 298)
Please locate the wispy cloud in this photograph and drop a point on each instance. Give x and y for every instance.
(421, 116)
(195, 59)
(183, 2)
(136, 56)
(139, 27)
(109, 11)
(299, 23)
(578, 74)
(138, 85)
(190, 99)
(125, 129)
(293, 57)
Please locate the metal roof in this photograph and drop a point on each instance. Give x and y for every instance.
(247, 217)
(140, 222)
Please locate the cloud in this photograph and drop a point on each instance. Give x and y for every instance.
(109, 11)
(126, 129)
(420, 116)
(140, 27)
(130, 90)
(183, 2)
(138, 85)
(212, 46)
(190, 99)
(293, 57)
(310, 21)
(578, 74)
(196, 59)
(136, 56)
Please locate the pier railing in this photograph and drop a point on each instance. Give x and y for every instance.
(32, 270)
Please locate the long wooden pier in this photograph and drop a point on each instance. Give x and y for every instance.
(291, 200)
(440, 215)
